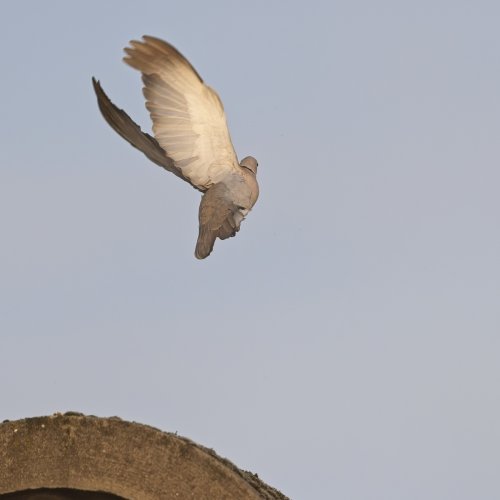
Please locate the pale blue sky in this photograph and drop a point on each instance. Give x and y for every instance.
(346, 344)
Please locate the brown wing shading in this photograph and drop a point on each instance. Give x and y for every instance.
(219, 217)
(132, 133)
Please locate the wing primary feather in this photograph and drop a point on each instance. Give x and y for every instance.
(188, 116)
(171, 51)
(132, 133)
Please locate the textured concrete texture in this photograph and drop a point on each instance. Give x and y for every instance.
(108, 456)
(59, 494)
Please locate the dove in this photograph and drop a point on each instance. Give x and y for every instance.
(190, 138)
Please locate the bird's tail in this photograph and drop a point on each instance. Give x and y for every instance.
(205, 243)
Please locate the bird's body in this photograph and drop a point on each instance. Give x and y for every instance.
(223, 207)
(191, 138)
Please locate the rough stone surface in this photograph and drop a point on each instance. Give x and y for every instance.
(59, 494)
(109, 455)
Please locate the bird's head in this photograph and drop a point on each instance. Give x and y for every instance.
(249, 162)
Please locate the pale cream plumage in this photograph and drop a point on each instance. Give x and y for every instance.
(191, 138)
(188, 116)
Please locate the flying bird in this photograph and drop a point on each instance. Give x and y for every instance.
(191, 138)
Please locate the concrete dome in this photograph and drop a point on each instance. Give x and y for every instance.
(77, 457)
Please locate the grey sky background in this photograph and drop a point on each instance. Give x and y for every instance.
(345, 345)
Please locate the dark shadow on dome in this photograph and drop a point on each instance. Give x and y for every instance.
(59, 494)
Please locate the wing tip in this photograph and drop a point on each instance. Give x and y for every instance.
(153, 46)
(96, 84)
(102, 98)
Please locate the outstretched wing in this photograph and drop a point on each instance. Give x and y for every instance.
(132, 133)
(219, 217)
(188, 117)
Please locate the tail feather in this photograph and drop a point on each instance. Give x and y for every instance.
(219, 217)
(205, 243)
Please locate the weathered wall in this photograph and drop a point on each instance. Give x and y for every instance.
(110, 455)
